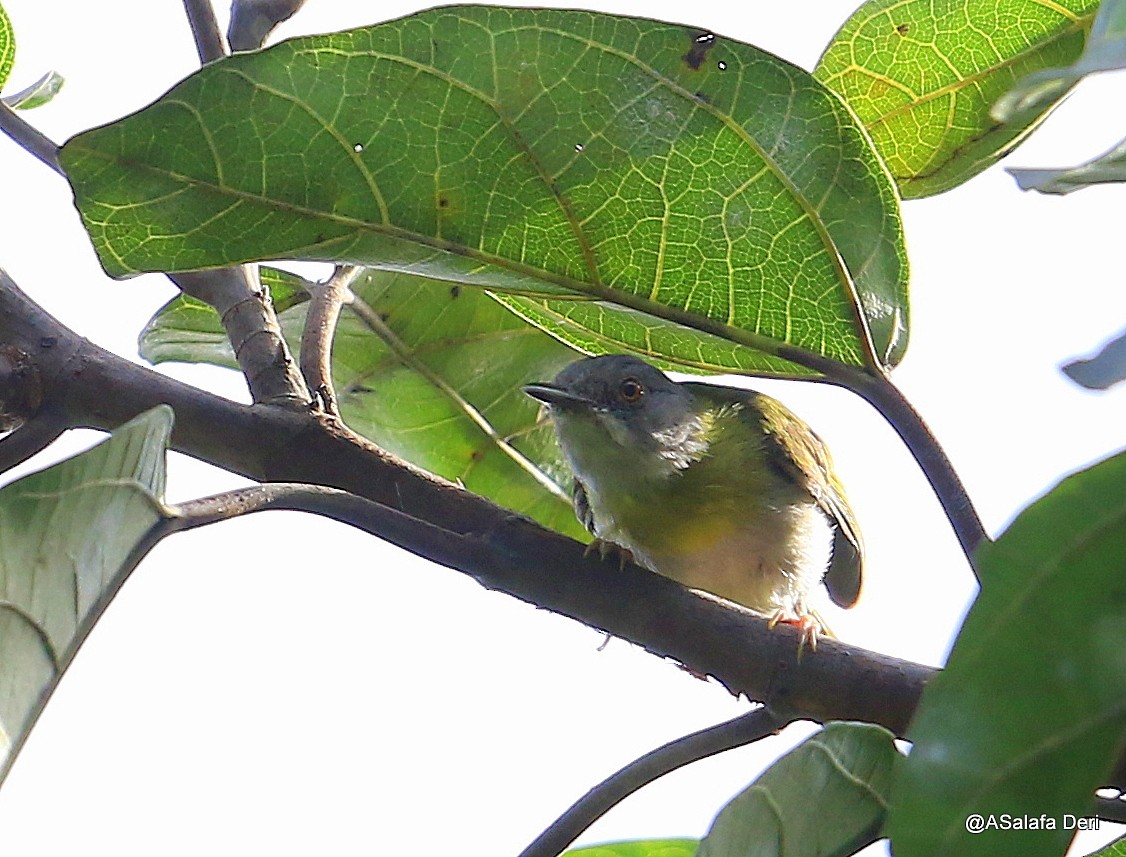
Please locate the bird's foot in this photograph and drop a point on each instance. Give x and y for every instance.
(809, 625)
(607, 548)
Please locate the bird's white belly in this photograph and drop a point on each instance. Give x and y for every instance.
(770, 567)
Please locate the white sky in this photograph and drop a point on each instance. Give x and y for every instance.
(284, 685)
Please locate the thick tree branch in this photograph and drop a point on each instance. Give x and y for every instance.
(252, 327)
(501, 550)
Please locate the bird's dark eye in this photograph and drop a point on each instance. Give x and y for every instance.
(631, 390)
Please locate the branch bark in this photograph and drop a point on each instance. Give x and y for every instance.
(93, 388)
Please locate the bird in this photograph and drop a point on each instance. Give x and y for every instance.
(722, 489)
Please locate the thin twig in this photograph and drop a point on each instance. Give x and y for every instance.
(29, 138)
(1110, 809)
(743, 730)
(325, 302)
(205, 28)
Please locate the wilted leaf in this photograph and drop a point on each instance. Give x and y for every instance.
(69, 536)
(545, 153)
(922, 75)
(1029, 715)
(825, 797)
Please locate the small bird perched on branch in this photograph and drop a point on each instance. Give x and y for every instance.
(721, 489)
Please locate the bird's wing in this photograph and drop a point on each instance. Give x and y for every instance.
(582, 506)
(805, 458)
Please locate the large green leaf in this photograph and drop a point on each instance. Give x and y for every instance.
(825, 797)
(553, 154)
(429, 371)
(69, 536)
(1029, 715)
(639, 848)
(923, 75)
(7, 47)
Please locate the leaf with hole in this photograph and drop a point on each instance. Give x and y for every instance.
(69, 536)
(554, 156)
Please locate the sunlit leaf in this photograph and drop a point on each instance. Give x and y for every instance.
(7, 46)
(825, 797)
(545, 153)
(1029, 715)
(69, 536)
(922, 75)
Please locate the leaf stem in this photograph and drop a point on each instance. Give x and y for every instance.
(742, 730)
(205, 28)
(29, 138)
(893, 406)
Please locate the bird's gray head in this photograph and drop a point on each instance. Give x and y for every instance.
(626, 400)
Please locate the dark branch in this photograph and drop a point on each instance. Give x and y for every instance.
(501, 550)
(208, 38)
(29, 138)
(743, 730)
(31, 438)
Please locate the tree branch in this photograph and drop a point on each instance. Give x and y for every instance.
(742, 730)
(252, 327)
(93, 388)
(325, 302)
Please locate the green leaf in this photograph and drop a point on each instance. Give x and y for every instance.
(427, 370)
(1029, 715)
(639, 848)
(7, 47)
(1105, 50)
(38, 94)
(1102, 371)
(545, 153)
(827, 796)
(922, 75)
(69, 536)
(1109, 167)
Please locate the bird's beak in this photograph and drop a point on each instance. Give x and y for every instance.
(552, 395)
